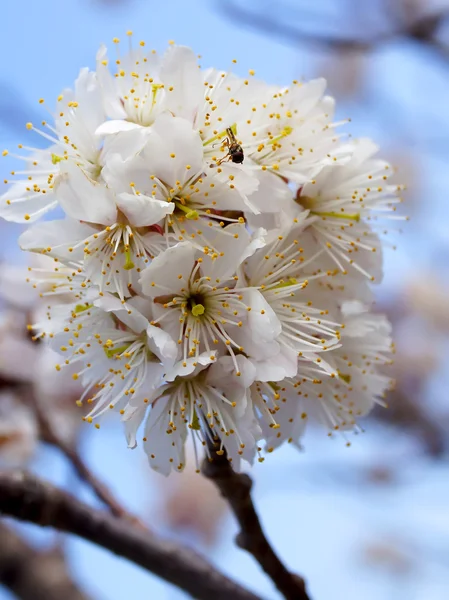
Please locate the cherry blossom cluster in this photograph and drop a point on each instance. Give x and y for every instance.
(214, 246)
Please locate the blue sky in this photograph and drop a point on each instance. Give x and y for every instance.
(318, 522)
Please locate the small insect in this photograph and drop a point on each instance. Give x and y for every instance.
(235, 151)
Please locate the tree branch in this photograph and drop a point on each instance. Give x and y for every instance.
(236, 489)
(422, 30)
(51, 436)
(32, 574)
(27, 498)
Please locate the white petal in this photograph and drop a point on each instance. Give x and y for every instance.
(83, 198)
(272, 195)
(142, 210)
(132, 419)
(307, 95)
(171, 269)
(179, 70)
(161, 446)
(126, 144)
(88, 96)
(116, 126)
(56, 238)
(244, 182)
(20, 206)
(248, 431)
(235, 244)
(131, 317)
(278, 367)
(111, 100)
(223, 372)
(262, 320)
(172, 147)
(163, 345)
(190, 366)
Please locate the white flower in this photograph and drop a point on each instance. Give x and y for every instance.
(170, 173)
(286, 131)
(144, 85)
(77, 116)
(198, 298)
(206, 399)
(278, 271)
(337, 396)
(206, 273)
(112, 256)
(349, 203)
(129, 358)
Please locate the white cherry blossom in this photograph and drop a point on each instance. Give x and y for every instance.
(144, 85)
(211, 271)
(206, 398)
(351, 382)
(199, 299)
(351, 205)
(73, 141)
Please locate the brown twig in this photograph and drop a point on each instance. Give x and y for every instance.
(236, 489)
(27, 498)
(50, 435)
(423, 29)
(33, 574)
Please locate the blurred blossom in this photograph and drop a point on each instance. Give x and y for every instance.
(18, 431)
(17, 354)
(27, 367)
(191, 504)
(428, 296)
(345, 72)
(389, 555)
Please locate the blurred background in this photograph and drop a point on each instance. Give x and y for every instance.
(371, 520)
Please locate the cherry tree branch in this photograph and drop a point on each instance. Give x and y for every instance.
(32, 574)
(422, 29)
(236, 489)
(50, 434)
(27, 498)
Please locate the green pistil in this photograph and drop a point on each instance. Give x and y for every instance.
(335, 215)
(221, 134)
(345, 377)
(79, 308)
(284, 133)
(274, 386)
(55, 159)
(128, 261)
(197, 309)
(111, 352)
(189, 213)
(283, 284)
(95, 171)
(195, 424)
(155, 88)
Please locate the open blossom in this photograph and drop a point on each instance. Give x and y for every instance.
(338, 397)
(211, 275)
(351, 206)
(205, 399)
(74, 145)
(200, 301)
